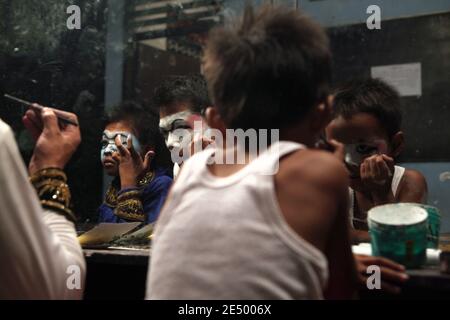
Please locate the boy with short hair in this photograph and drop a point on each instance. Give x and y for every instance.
(367, 120)
(134, 153)
(180, 100)
(229, 231)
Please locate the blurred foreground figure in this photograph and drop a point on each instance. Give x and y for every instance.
(39, 251)
(275, 225)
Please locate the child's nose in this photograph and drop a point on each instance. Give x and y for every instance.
(108, 152)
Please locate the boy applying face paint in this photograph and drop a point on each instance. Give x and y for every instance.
(133, 151)
(367, 120)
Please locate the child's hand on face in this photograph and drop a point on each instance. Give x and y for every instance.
(131, 165)
(376, 174)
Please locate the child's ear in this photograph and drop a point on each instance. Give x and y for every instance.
(322, 114)
(397, 144)
(214, 120)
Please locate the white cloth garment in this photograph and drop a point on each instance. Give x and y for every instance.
(226, 238)
(39, 250)
(398, 175)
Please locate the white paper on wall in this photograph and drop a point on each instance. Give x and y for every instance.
(406, 78)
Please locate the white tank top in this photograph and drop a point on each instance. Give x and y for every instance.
(398, 175)
(226, 238)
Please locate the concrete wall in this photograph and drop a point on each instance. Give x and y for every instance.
(438, 187)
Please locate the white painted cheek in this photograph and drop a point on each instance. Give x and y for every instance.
(104, 152)
(187, 139)
(173, 141)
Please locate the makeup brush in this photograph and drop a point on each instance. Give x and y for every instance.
(60, 116)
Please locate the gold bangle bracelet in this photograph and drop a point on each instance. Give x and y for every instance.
(48, 173)
(53, 191)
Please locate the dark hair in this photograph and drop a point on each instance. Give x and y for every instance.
(371, 96)
(145, 124)
(191, 89)
(268, 70)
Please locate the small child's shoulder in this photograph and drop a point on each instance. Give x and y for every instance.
(164, 180)
(414, 175)
(160, 181)
(414, 178)
(413, 187)
(317, 166)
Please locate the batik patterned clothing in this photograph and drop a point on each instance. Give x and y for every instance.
(140, 204)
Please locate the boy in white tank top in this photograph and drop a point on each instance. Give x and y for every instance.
(367, 120)
(274, 227)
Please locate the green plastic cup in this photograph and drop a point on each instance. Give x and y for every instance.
(434, 225)
(399, 233)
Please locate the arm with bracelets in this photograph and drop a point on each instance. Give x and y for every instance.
(39, 249)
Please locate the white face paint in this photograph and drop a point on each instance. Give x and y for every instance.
(109, 143)
(179, 133)
(176, 129)
(356, 153)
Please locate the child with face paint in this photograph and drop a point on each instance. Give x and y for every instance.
(181, 101)
(133, 151)
(367, 120)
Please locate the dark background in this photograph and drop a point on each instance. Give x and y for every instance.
(43, 61)
(423, 39)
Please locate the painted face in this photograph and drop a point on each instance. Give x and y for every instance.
(362, 135)
(109, 143)
(356, 153)
(171, 129)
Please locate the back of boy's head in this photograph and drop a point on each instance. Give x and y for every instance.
(372, 96)
(268, 70)
(191, 90)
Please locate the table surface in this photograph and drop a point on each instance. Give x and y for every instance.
(103, 264)
(429, 276)
(118, 257)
